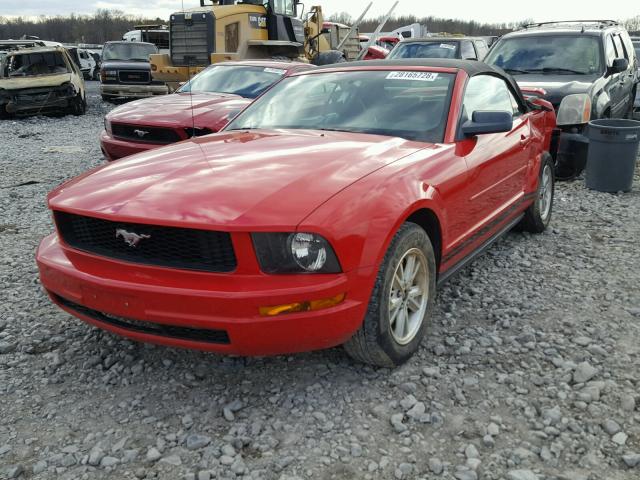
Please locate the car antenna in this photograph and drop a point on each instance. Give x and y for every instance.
(186, 42)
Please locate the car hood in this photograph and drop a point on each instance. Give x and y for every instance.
(557, 86)
(37, 81)
(206, 110)
(125, 65)
(267, 179)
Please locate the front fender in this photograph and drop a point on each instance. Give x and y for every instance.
(602, 103)
(361, 220)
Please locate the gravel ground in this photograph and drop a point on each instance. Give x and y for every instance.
(531, 368)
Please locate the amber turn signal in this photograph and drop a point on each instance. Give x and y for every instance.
(306, 306)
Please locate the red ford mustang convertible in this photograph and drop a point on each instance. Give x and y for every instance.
(324, 214)
(200, 107)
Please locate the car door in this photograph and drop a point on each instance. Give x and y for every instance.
(613, 86)
(497, 163)
(626, 78)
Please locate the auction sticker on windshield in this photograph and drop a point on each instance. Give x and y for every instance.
(275, 70)
(447, 45)
(420, 76)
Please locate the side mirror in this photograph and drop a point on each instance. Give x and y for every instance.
(484, 122)
(619, 65)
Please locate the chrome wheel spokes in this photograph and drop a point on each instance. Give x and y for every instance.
(409, 296)
(545, 195)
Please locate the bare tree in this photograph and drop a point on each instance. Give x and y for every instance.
(342, 17)
(100, 27)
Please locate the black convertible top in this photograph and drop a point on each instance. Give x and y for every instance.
(471, 67)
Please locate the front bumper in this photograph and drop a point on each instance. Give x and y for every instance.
(114, 149)
(132, 91)
(33, 101)
(212, 312)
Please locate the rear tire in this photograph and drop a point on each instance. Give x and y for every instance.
(401, 302)
(538, 215)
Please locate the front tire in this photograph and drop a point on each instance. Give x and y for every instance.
(401, 302)
(538, 215)
(78, 105)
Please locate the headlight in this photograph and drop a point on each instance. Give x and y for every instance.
(108, 75)
(107, 125)
(574, 109)
(67, 89)
(295, 253)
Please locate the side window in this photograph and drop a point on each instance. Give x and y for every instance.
(486, 92)
(482, 49)
(619, 48)
(515, 105)
(628, 45)
(610, 51)
(467, 52)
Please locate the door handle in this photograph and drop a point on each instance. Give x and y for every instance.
(524, 140)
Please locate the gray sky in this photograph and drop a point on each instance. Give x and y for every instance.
(483, 11)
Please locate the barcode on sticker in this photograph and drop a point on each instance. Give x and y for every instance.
(420, 76)
(275, 70)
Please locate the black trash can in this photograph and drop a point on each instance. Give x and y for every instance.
(613, 148)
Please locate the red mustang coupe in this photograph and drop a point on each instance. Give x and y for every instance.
(200, 107)
(324, 214)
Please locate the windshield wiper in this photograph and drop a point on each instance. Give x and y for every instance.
(516, 71)
(558, 70)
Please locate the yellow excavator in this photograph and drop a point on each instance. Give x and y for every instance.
(251, 29)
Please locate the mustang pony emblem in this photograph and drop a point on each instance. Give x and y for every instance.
(141, 133)
(130, 238)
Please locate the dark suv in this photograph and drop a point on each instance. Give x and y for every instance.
(462, 48)
(556, 59)
(126, 71)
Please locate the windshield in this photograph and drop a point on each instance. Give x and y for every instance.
(30, 64)
(248, 82)
(132, 52)
(425, 50)
(548, 54)
(408, 104)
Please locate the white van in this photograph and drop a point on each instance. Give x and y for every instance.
(156, 34)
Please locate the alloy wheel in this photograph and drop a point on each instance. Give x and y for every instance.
(545, 194)
(409, 296)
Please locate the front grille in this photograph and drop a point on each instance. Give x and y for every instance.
(150, 328)
(192, 38)
(182, 248)
(138, 133)
(134, 76)
(197, 131)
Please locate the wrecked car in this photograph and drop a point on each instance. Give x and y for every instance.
(202, 106)
(562, 58)
(125, 71)
(593, 62)
(304, 228)
(40, 80)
